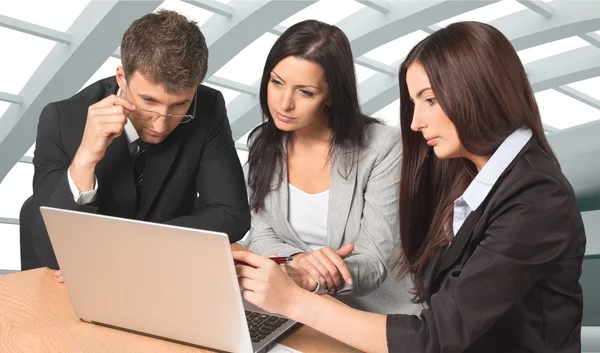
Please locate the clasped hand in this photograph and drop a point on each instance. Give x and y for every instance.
(326, 265)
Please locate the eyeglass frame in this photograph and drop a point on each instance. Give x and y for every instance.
(169, 115)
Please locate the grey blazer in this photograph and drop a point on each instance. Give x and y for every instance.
(363, 209)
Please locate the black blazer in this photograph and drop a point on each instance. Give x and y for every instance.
(192, 179)
(509, 281)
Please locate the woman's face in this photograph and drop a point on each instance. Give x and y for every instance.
(297, 94)
(429, 118)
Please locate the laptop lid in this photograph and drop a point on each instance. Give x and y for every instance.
(166, 281)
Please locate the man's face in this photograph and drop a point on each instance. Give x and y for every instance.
(153, 103)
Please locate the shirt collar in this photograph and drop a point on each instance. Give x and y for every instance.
(131, 133)
(482, 184)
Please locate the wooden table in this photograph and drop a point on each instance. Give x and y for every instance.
(36, 316)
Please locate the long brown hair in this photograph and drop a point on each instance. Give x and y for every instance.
(481, 86)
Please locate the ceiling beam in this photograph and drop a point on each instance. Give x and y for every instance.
(377, 5)
(376, 66)
(11, 98)
(213, 6)
(35, 30)
(232, 85)
(5, 220)
(580, 96)
(539, 7)
(592, 38)
(431, 29)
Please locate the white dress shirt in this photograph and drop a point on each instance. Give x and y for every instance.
(86, 197)
(481, 186)
(308, 216)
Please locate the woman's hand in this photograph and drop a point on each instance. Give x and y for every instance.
(327, 265)
(300, 277)
(265, 284)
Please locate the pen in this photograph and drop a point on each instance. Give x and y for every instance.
(279, 260)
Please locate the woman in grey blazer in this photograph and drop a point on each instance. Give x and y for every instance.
(322, 177)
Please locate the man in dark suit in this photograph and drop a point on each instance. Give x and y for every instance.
(150, 143)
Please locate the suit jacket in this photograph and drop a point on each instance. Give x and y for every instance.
(509, 281)
(363, 209)
(192, 179)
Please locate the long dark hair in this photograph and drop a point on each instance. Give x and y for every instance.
(481, 86)
(327, 46)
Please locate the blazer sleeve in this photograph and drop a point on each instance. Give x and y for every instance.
(378, 239)
(529, 231)
(222, 204)
(264, 241)
(50, 181)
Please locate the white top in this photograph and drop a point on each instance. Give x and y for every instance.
(481, 186)
(83, 198)
(308, 216)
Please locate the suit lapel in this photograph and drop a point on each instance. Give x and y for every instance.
(116, 168)
(456, 248)
(341, 192)
(282, 201)
(159, 160)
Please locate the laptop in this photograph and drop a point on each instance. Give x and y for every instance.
(159, 280)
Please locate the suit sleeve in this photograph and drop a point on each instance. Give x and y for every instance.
(378, 238)
(50, 182)
(222, 202)
(530, 231)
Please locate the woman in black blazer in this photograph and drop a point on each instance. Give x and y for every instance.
(490, 228)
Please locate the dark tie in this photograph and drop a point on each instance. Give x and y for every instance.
(139, 163)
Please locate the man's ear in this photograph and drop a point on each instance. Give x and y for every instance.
(121, 80)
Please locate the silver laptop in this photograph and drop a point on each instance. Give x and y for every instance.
(163, 281)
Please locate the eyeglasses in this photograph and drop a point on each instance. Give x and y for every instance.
(151, 115)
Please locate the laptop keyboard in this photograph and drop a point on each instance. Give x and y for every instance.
(261, 324)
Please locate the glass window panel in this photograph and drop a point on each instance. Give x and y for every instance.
(223, 1)
(29, 152)
(247, 66)
(390, 113)
(3, 107)
(486, 13)
(591, 87)
(228, 94)
(243, 156)
(363, 73)
(549, 49)
(190, 11)
(562, 112)
(328, 11)
(10, 250)
(109, 68)
(15, 189)
(395, 50)
(17, 67)
(57, 15)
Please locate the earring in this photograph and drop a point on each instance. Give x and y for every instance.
(328, 105)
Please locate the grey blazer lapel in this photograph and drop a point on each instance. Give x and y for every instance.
(341, 192)
(281, 201)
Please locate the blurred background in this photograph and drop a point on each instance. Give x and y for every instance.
(54, 48)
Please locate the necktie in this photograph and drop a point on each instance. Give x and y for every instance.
(139, 164)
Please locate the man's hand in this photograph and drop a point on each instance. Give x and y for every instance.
(105, 122)
(59, 277)
(327, 265)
